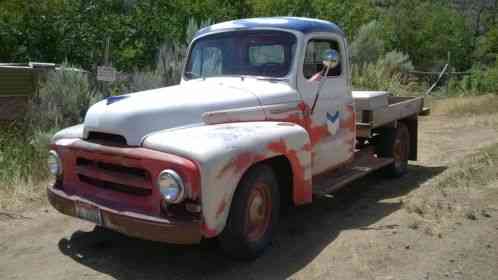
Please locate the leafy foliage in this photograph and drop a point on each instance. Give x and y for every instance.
(368, 45)
(78, 31)
(63, 98)
(427, 31)
(482, 80)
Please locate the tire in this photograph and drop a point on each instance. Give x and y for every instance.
(103, 231)
(395, 143)
(253, 214)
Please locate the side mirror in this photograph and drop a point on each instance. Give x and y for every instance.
(330, 58)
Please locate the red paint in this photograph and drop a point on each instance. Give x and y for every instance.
(316, 132)
(243, 161)
(302, 188)
(151, 161)
(239, 164)
(350, 122)
(308, 147)
(208, 232)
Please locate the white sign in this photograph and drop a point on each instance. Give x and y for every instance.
(106, 73)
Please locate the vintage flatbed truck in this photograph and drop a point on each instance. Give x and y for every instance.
(264, 116)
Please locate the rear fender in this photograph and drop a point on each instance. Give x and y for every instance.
(224, 152)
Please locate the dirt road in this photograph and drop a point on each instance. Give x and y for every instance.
(363, 232)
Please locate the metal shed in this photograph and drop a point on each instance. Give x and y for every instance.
(18, 83)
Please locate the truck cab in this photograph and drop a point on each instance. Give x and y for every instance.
(264, 116)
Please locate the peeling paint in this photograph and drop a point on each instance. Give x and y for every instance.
(302, 192)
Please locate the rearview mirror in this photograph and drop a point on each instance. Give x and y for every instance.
(330, 58)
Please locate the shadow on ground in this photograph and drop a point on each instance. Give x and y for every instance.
(304, 233)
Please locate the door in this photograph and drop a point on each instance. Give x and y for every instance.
(332, 127)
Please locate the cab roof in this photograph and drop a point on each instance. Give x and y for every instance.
(301, 24)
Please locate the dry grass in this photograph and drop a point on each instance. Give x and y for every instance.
(19, 195)
(457, 192)
(466, 106)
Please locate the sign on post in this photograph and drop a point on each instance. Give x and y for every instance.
(106, 73)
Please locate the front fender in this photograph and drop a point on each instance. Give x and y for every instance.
(224, 152)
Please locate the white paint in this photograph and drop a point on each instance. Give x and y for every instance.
(171, 120)
(335, 95)
(183, 105)
(215, 146)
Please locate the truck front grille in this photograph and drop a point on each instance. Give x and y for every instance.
(114, 186)
(114, 177)
(106, 138)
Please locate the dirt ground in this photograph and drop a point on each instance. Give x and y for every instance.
(363, 232)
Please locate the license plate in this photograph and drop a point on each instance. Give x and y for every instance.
(88, 212)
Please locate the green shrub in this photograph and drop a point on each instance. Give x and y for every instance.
(387, 73)
(482, 80)
(368, 46)
(62, 101)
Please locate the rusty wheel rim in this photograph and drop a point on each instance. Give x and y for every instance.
(258, 212)
(400, 151)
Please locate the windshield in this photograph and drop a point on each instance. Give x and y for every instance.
(267, 53)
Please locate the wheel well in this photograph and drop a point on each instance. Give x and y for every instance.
(283, 172)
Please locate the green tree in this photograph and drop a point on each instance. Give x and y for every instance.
(427, 31)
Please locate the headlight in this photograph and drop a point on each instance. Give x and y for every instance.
(171, 186)
(54, 163)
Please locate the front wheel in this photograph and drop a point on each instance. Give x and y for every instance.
(253, 215)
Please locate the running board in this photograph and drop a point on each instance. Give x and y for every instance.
(363, 164)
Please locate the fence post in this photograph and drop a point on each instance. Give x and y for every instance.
(449, 74)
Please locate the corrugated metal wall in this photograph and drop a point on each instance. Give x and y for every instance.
(17, 85)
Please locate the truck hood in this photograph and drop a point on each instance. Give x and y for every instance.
(133, 116)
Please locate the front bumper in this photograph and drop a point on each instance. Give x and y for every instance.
(132, 224)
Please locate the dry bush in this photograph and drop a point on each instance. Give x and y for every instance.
(62, 101)
(386, 74)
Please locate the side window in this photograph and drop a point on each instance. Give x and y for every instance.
(313, 58)
(207, 61)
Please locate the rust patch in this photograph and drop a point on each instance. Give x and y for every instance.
(302, 187)
(350, 122)
(208, 232)
(240, 163)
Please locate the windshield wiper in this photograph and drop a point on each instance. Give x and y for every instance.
(271, 79)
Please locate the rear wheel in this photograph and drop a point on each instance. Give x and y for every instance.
(253, 214)
(395, 143)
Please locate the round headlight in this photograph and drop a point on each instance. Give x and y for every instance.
(171, 186)
(54, 163)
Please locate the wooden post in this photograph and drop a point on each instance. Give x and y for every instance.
(449, 74)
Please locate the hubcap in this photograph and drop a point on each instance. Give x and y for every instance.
(258, 212)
